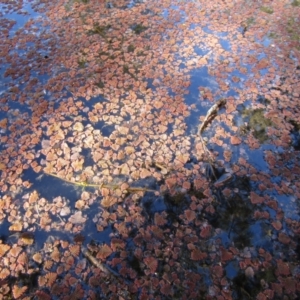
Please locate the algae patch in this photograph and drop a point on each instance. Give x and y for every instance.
(257, 123)
(296, 3)
(98, 29)
(81, 63)
(139, 28)
(267, 10)
(292, 27)
(130, 48)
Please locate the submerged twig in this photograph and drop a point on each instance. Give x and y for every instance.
(87, 254)
(102, 185)
(83, 184)
(96, 263)
(37, 209)
(164, 170)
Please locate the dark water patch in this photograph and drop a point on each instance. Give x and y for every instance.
(225, 44)
(290, 205)
(248, 287)
(264, 72)
(232, 269)
(256, 158)
(261, 232)
(153, 205)
(133, 3)
(295, 134)
(91, 233)
(232, 93)
(266, 42)
(49, 186)
(93, 101)
(205, 274)
(105, 129)
(139, 28)
(135, 264)
(200, 51)
(234, 213)
(4, 232)
(88, 159)
(223, 236)
(272, 212)
(206, 29)
(199, 78)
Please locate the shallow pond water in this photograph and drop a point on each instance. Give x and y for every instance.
(109, 186)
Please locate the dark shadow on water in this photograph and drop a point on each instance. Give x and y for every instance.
(49, 186)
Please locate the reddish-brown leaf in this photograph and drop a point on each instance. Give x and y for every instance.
(166, 288)
(37, 257)
(234, 140)
(159, 219)
(18, 291)
(15, 251)
(117, 244)
(3, 249)
(16, 227)
(205, 231)
(50, 277)
(48, 264)
(75, 250)
(196, 254)
(217, 271)
(283, 238)
(256, 199)
(190, 215)
(104, 252)
(4, 273)
(277, 224)
(282, 268)
(151, 263)
(225, 255)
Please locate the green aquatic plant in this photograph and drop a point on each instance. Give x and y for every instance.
(139, 28)
(141, 53)
(250, 21)
(267, 10)
(100, 84)
(81, 62)
(126, 69)
(295, 3)
(293, 29)
(130, 48)
(272, 35)
(257, 123)
(101, 30)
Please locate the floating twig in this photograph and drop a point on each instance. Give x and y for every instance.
(211, 114)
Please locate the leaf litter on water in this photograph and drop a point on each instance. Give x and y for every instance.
(123, 151)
